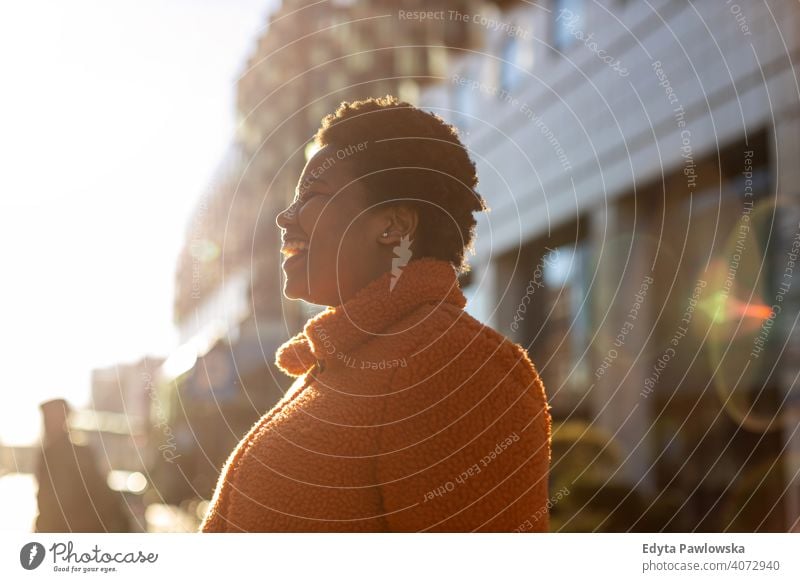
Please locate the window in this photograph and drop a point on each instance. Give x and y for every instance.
(464, 105)
(509, 73)
(566, 20)
(566, 276)
(548, 310)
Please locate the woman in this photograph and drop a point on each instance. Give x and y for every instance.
(407, 414)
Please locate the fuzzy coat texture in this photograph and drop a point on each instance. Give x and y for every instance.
(406, 415)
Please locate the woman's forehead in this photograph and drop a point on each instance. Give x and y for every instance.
(327, 168)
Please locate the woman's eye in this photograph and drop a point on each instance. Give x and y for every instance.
(305, 197)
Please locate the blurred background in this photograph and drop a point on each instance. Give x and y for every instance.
(639, 158)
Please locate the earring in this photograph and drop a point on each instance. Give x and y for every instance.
(385, 235)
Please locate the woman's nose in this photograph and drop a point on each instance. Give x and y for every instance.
(286, 216)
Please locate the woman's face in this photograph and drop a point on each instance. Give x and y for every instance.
(332, 243)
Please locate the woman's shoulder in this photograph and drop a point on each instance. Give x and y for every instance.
(446, 335)
(465, 367)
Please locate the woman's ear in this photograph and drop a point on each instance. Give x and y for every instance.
(400, 223)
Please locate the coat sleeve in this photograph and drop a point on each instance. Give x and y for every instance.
(218, 519)
(464, 444)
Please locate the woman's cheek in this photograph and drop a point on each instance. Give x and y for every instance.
(320, 226)
(308, 216)
(312, 222)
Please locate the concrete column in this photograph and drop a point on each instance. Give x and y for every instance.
(618, 376)
(785, 144)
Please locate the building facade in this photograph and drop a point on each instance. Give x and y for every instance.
(639, 160)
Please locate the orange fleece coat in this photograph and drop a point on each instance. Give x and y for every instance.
(407, 415)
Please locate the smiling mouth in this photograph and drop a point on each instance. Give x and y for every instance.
(292, 248)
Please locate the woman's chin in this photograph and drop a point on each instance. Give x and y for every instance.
(300, 284)
(300, 291)
(296, 289)
(292, 289)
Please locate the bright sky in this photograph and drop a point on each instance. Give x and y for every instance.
(113, 116)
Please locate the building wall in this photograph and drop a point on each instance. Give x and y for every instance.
(613, 161)
(614, 130)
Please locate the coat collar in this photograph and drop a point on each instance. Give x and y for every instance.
(337, 331)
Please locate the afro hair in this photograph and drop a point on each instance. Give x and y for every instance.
(412, 157)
